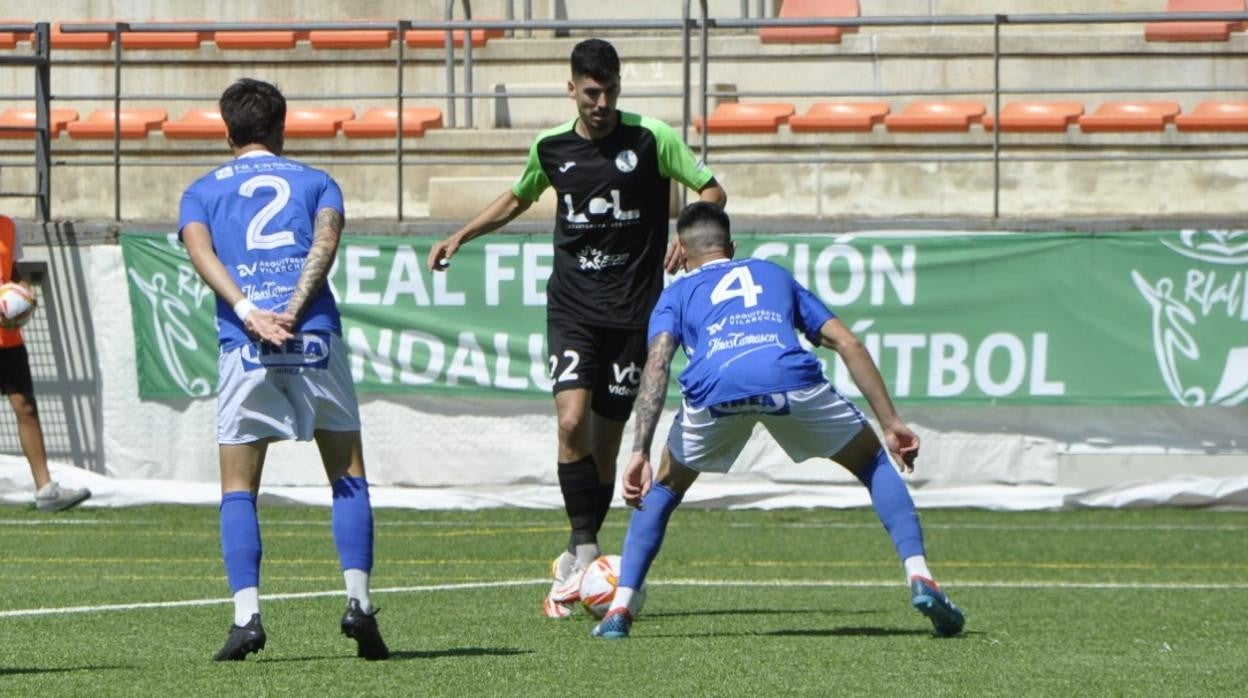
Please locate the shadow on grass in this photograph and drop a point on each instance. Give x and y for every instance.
(459, 652)
(754, 612)
(18, 671)
(849, 632)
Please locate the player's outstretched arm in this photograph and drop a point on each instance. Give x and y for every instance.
(674, 258)
(326, 233)
(499, 213)
(902, 443)
(714, 193)
(260, 323)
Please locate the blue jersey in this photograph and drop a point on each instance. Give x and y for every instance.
(260, 210)
(736, 322)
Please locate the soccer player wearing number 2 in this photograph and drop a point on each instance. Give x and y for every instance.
(263, 231)
(736, 321)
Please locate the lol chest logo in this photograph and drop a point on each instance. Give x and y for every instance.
(1200, 318)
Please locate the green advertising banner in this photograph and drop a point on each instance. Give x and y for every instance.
(966, 319)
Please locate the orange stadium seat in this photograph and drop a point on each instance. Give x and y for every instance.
(135, 123)
(163, 40)
(25, 119)
(812, 9)
(79, 41)
(746, 117)
(264, 39)
(316, 123)
(1215, 116)
(196, 123)
(382, 122)
(839, 116)
(1036, 117)
(936, 116)
(351, 38)
(1130, 116)
(436, 38)
(12, 39)
(1196, 31)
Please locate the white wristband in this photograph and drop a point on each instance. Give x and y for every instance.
(242, 308)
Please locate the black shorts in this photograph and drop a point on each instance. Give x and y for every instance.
(607, 361)
(15, 372)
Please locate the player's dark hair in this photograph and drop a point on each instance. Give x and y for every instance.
(596, 59)
(703, 226)
(254, 112)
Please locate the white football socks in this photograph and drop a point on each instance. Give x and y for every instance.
(246, 603)
(916, 566)
(357, 588)
(623, 599)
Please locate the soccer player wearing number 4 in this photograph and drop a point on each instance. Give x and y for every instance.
(262, 231)
(736, 320)
(613, 174)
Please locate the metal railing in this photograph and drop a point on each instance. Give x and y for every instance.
(685, 26)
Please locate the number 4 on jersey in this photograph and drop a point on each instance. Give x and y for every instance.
(737, 283)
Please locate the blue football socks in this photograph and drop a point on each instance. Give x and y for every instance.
(240, 540)
(353, 523)
(645, 534)
(893, 505)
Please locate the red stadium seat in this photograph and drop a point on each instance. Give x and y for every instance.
(1036, 117)
(25, 119)
(436, 38)
(79, 41)
(936, 116)
(839, 116)
(135, 123)
(382, 122)
(238, 40)
(351, 38)
(1196, 31)
(316, 123)
(196, 123)
(1215, 116)
(795, 9)
(746, 117)
(1130, 116)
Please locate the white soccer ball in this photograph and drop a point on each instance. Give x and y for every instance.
(16, 305)
(598, 583)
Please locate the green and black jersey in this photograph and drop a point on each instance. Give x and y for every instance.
(611, 226)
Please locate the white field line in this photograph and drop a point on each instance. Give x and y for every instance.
(774, 584)
(620, 524)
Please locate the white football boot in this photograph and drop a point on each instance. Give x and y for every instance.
(565, 590)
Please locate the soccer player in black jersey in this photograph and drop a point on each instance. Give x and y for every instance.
(612, 173)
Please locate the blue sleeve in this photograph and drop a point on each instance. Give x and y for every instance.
(810, 313)
(190, 210)
(665, 317)
(331, 196)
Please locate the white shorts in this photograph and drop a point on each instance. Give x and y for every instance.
(807, 423)
(285, 392)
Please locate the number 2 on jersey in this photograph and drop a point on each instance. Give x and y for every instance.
(256, 238)
(737, 283)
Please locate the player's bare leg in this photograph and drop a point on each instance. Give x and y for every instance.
(241, 467)
(866, 458)
(342, 454)
(49, 496)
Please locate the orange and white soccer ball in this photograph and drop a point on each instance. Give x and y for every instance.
(16, 305)
(598, 583)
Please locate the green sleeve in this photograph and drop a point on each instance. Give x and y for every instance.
(534, 181)
(676, 160)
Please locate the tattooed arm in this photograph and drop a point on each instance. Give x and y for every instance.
(326, 233)
(638, 474)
